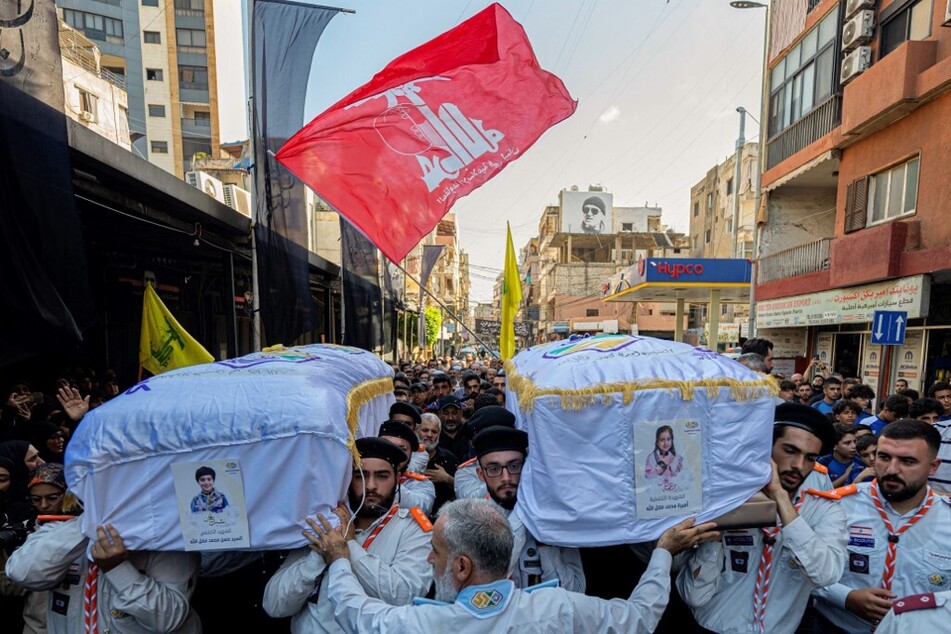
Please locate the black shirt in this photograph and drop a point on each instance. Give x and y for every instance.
(458, 446)
(444, 492)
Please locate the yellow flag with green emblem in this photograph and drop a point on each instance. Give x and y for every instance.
(511, 297)
(164, 344)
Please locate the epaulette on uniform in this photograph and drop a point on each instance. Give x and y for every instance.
(914, 602)
(821, 468)
(829, 495)
(421, 519)
(846, 491)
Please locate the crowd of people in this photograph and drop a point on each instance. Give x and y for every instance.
(430, 536)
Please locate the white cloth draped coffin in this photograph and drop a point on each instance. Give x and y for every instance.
(578, 484)
(281, 414)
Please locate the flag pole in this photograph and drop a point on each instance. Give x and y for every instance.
(418, 283)
(445, 308)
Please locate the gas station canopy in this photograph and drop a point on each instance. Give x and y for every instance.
(690, 279)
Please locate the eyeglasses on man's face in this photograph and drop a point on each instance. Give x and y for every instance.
(495, 470)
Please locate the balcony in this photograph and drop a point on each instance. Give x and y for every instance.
(823, 119)
(193, 95)
(806, 258)
(86, 62)
(197, 128)
(888, 90)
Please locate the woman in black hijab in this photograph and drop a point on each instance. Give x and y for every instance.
(49, 440)
(24, 458)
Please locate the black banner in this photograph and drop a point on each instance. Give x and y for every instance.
(284, 37)
(492, 328)
(364, 325)
(43, 279)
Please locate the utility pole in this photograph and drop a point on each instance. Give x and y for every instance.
(737, 169)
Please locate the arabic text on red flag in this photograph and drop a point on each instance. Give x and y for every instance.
(435, 124)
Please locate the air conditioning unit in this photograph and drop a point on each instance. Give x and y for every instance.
(858, 30)
(855, 63)
(208, 184)
(88, 117)
(238, 199)
(854, 6)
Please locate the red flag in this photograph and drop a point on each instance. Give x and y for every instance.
(436, 123)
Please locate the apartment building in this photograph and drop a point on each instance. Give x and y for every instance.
(164, 50)
(711, 207)
(856, 186)
(95, 97)
(582, 242)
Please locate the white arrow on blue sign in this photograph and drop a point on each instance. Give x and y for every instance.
(888, 327)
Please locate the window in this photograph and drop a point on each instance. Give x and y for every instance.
(627, 226)
(87, 106)
(591, 312)
(707, 239)
(729, 225)
(93, 25)
(805, 77)
(729, 187)
(151, 37)
(203, 118)
(190, 37)
(156, 111)
(696, 209)
(160, 147)
(190, 5)
(149, 3)
(894, 192)
(193, 77)
(911, 22)
(154, 74)
(709, 202)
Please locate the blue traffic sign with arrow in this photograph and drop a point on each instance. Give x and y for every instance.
(888, 327)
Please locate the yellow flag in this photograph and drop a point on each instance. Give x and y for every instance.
(511, 297)
(164, 344)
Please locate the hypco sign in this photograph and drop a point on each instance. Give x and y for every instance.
(676, 269)
(687, 270)
(847, 305)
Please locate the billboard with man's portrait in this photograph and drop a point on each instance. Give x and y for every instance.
(586, 212)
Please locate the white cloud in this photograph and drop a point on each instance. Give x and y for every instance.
(613, 113)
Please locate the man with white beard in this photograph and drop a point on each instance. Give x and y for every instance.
(441, 468)
(471, 549)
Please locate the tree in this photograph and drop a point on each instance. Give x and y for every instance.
(433, 324)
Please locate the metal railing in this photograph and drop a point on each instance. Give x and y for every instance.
(86, 63)
(821, 121)
(806, 258)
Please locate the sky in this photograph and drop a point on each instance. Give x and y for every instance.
(657, 83)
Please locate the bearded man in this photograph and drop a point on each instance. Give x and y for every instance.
(388, 546)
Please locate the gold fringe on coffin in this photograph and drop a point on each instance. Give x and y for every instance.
(575, 399)
(357, 397)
